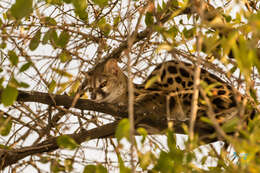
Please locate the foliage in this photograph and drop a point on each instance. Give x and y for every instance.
(45, 44)
(66, 142)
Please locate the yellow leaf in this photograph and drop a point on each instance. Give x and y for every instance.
(151, 81)
(74, 87)
(164, 47)
(62, 72)
(63, 86)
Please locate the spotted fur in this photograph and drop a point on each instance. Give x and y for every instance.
(175, 83)
(172, 89)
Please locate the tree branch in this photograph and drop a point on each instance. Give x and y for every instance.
(11, 156)
(142, 116)
(66, 101)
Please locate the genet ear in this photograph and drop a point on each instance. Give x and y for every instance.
(112, 67)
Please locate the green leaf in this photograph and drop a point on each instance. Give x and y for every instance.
(146, 160)
(171, 140)
(228, 18)
(49, 21)
(1, 81)
(175, 4)
(101, 22)
(142, 132)
(164, 5)
(47, 37)
(90, 169)
(244, 55)
(164, 163)
(209, 88)
(123, 130)
(23, 85)
(35, 41)
(189, 33)
(104, 26)
(13, 58)
(13, 82)
(101, 169)
(149, 19)
(52, 86)
(101, 3)
(122, 167)
(159, 8)
(116, 21)
(67, 1)
(21, 8)
(53, 37)
(54, 2)
(5, 125)
(63, 39)
(56, 167)
(9, 95)
(64, 56)
(210, 43)
(206, 120)
(66, 142)
(25, 67)
(106, 29)
(3, 45)
(229, 42)
(80, 5)
(171, 33)
(95, 169)
(44, 159)
(230, 125)
(68, 164)
(4, 146)
(253, 94)
(80, 9)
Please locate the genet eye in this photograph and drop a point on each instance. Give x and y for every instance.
(103, 84)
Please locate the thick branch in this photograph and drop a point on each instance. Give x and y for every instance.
(66, 101)
(142, 115)
(9, 157)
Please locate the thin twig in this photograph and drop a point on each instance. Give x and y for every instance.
(211, 115)
(130, 87)
(196, 82)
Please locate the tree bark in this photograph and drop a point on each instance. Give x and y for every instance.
(11, 156)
